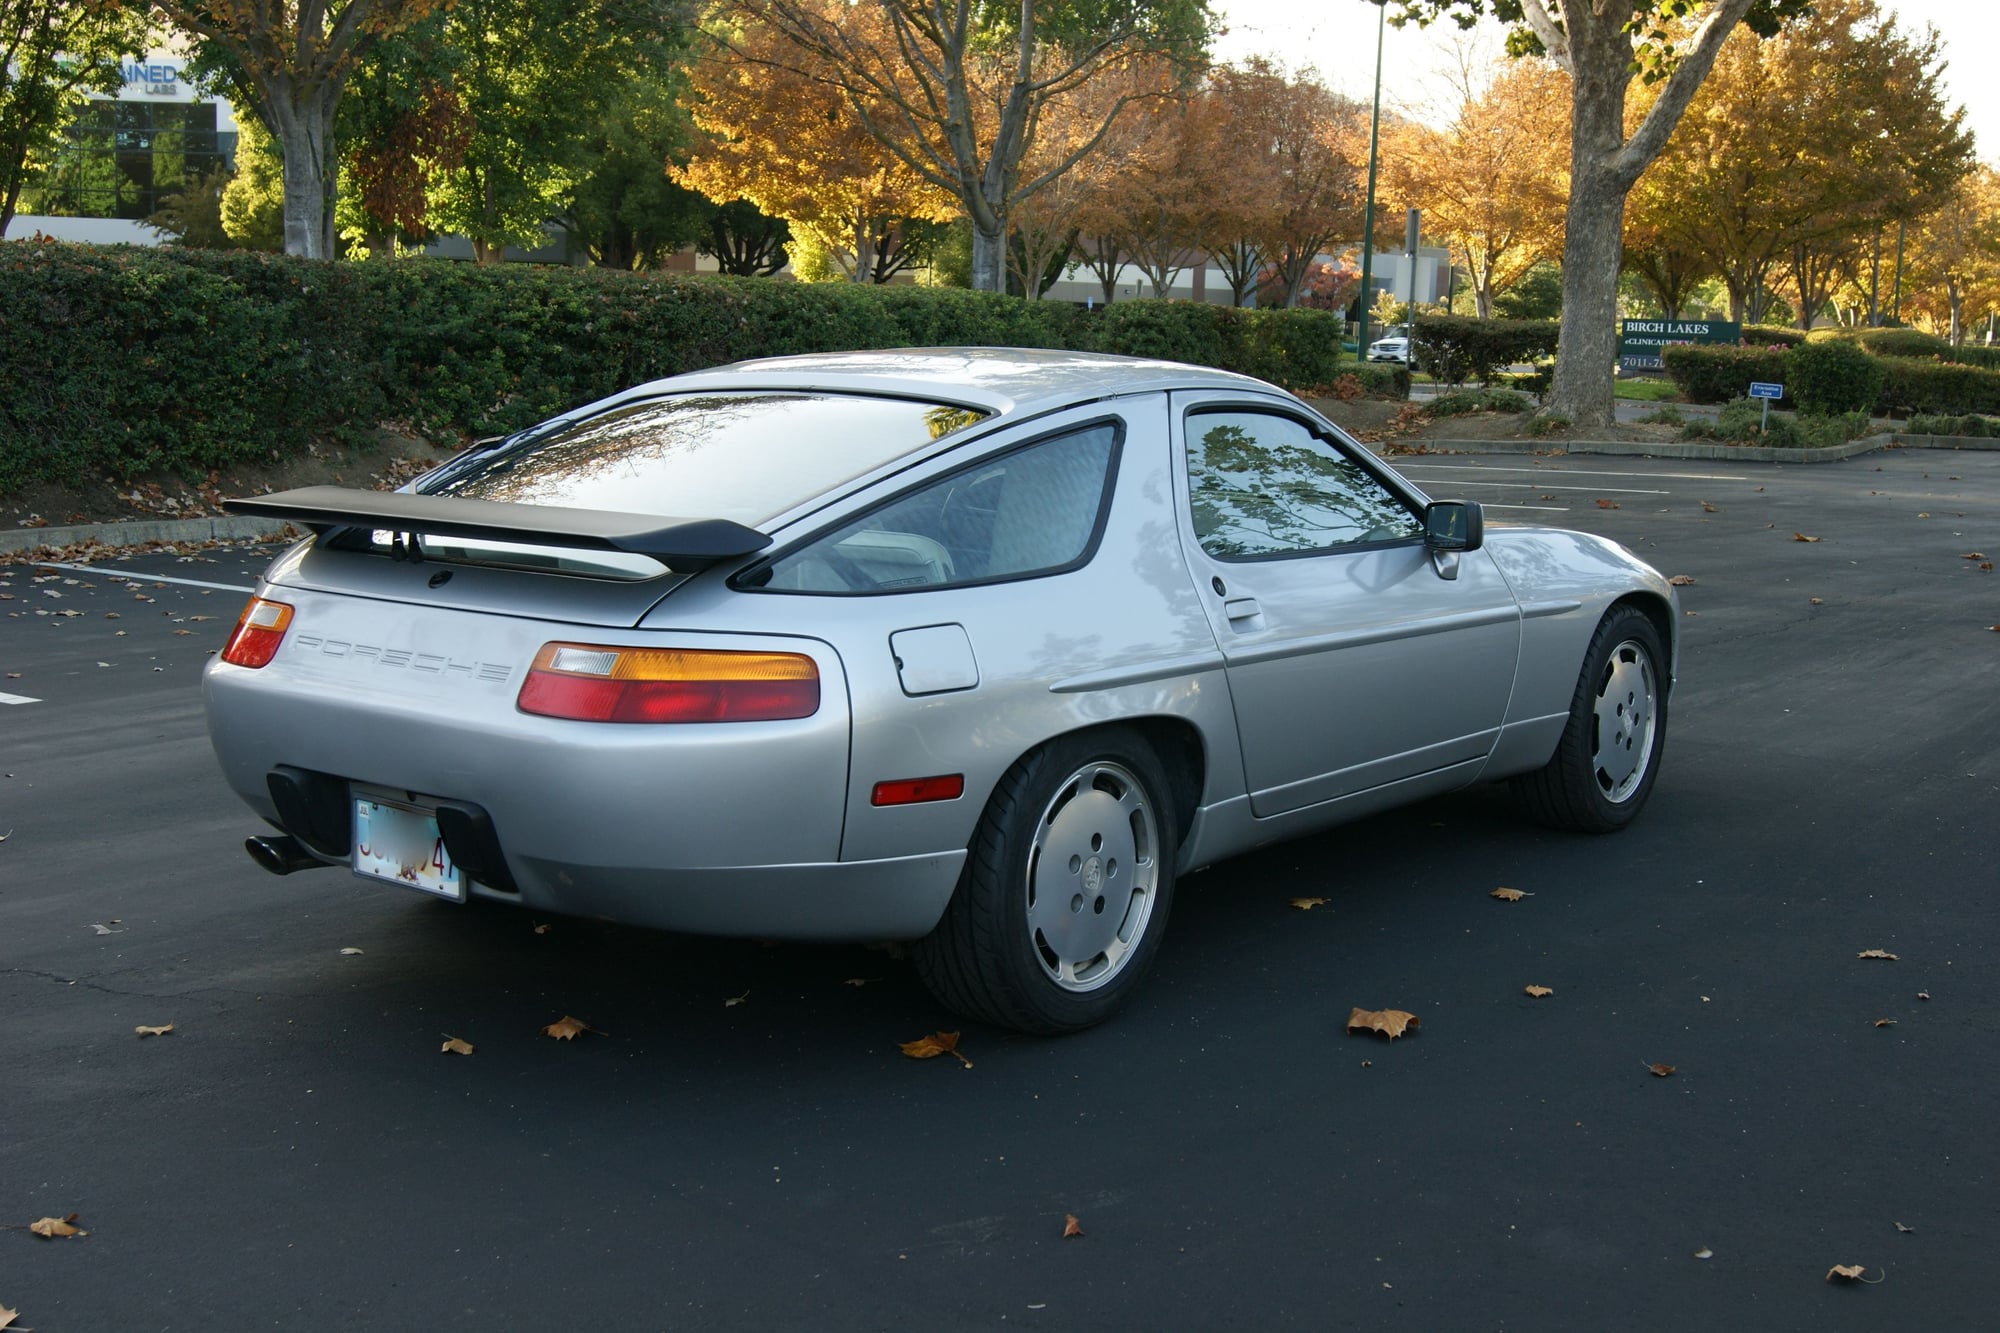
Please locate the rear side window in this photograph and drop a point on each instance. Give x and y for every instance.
(746, 457)
(1033, 511)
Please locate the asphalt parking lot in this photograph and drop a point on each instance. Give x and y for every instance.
(739, 1143)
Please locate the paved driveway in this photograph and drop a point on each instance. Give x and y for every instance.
(741, 1146)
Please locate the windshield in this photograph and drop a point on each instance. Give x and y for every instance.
(743, 456)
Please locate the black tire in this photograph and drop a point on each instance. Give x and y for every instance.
(1605, 765)
(1065, 891)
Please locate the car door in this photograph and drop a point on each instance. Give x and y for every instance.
(1356, 657)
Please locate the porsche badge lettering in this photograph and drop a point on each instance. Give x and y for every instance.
(435, 663)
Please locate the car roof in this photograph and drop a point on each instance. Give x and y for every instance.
(996, 380)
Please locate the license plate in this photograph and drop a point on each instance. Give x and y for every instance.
(400, 843)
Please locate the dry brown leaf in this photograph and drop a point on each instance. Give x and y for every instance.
(1704, 1253)
(1509, 895)
(1903, 1229)
(1846, 1273)
(1801, 537)
(1071, 1227)
(1539, 992)
(735, 1000)
(938, 1043)
(1307, 904)
(1607, 504)
(1815, 601)
(455, 1045)
(1973, 555)
(7, 1318)
(1876, 953)
(1923, 515)
(1391, 1023)
(349, 951)
(1682, 580)
(542, 929)
(49, 1228)
(566, 1028)
(144, 1030)
(1660, 1071)
(1923, 995)
(1986, 565)
(857, 982)
(1707, 508)
(1885, 1022)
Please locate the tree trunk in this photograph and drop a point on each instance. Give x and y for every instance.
(989, 258)
(302, 121)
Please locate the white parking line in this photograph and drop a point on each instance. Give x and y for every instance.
(17, 699)
(145, 578)
(1533, 486)
(1538, 509)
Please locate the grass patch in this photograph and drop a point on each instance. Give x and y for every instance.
(1646, 390)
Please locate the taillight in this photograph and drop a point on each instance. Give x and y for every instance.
(259, 631)
(593, 683)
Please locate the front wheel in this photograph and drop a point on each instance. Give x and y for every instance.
(1065, 890)
(1604, 766)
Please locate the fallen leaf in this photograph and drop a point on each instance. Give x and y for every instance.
(1973, 555)
(1509, 895)
(1986, 565)
(857, 981)
(1704, 1253)
(1071, 1227)
(1923, 995)
(1885, 1022)
(7, 1318)
(1307, 904)
(1923, 515)
(1389, 1022)
(349, 951)
(1607, 504)
(1845, 1272)
(160, 1031)
(1905, 1230)
(1682, 580)
(1815, 601)
(104, 929)
(456, 1045)
(1707, 508)
(1801, 537)
(938, 1043)
(542, 929)
(49, 1228)
(1538, 992)
(1660, 1071)
(1876, 953)
(735, 1000)
(566, 1028)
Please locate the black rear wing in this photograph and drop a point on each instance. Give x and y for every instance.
(684, 545)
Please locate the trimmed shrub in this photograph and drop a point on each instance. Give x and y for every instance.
(1974, 426)
(1464, 402)
(1453, 348)
(1380, 381)
(1718, 374)
(1986, 358)
(1914, 386)
(1772, 335)
(121, 360)
(1901, 342)
(1829, 378)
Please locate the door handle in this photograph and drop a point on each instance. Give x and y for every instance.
(1241, 608)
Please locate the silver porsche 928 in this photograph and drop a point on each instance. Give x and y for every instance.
(978, 648)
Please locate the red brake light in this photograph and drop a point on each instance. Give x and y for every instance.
(595, 683)
(259, 631)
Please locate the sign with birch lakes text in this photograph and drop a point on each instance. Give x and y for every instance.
(1640, 340)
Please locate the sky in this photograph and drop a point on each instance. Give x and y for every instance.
(1337, 37)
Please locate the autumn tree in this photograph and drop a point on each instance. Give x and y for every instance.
(1603, 45)
(1049, 227)
(1489, 181)
(1160, 206)
(791, 142)
(53, 54)
(1797, 148)
(295, 57)
(1953, 256)
(959, 91)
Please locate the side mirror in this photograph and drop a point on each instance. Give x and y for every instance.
(1454, 525)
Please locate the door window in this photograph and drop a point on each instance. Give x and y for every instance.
(1263, 485)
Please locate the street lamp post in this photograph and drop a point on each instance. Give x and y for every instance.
(1368, 209)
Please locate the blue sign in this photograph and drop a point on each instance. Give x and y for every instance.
(1761, 390)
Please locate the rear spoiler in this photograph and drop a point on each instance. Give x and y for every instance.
(684, 545)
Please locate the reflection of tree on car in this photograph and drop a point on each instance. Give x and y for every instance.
(1255, 496)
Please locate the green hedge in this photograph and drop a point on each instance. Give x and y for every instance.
(1772, 335)
(1937, 387)
(1455, 348)
(1829, 378)
(1706, 374)
(115, 361)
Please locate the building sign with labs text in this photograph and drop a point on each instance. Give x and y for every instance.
(1640, 340)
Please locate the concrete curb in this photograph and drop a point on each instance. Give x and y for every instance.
(138, 532)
